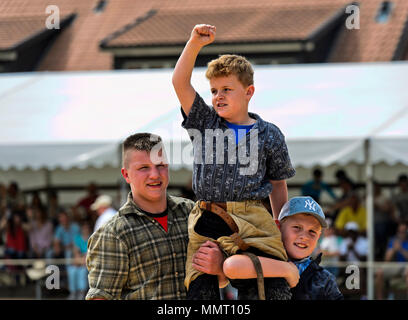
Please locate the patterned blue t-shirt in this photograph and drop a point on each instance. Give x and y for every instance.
(224, 170)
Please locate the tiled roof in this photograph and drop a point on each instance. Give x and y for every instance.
(374, 41)
(15, 31)
(77, 47)
(169, 26)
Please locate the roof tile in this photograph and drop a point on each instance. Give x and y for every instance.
(77, 47)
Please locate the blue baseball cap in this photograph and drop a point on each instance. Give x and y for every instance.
(305, 205)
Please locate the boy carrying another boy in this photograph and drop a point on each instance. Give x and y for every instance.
(230, 189)
(301, 220)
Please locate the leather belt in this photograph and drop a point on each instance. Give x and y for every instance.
(259, 274)
(219, 208)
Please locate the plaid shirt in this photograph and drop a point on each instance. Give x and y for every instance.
(133, 257)
(224, 181)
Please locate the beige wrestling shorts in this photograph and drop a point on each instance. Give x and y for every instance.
(255, 227)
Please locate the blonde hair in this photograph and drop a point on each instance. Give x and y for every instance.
(231, 64)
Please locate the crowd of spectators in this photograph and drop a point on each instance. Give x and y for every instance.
(50, 231)
(35, 230)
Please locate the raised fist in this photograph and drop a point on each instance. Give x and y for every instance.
(203, 34)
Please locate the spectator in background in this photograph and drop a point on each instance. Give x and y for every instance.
(36, 201)
(40, 232)
(347, 187)
(53, 207)
(401, 198)
(77, 215)
(104, 210)
(15, 226)
(3, 200)
(385, 221)
(84, 204)
(16, 243)
(314, 187)
(397, 250)
(330, 247)
(64, 236)
(354, 246)
(342, 175)
(15, 199)
(353, 212)
(77, 272)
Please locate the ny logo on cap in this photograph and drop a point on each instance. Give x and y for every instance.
(310, 204)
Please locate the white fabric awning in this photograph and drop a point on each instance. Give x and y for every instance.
(326, 111)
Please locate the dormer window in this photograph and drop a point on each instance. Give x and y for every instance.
(100, 6)
(384, 12)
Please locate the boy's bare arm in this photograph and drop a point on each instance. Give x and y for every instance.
(209, 259)
(202, 35)
(241, 267)
(278, 196)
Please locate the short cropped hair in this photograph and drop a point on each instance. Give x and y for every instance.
(139, 142)
(231, 64)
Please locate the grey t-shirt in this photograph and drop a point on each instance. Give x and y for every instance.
(223, 171)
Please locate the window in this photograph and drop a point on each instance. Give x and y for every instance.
(100, 6)
(384, 12)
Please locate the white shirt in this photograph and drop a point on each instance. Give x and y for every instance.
(104, 217)
(361, 247)
(330, 244)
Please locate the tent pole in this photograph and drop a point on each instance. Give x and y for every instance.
(47, 177)
(370, 218)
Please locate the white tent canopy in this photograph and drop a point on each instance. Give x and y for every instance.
(326, 111)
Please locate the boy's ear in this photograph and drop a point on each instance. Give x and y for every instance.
(250, 91)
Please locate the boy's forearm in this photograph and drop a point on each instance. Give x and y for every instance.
(241, 267)
(278, 197)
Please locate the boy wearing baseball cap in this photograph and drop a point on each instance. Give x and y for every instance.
(301, 222)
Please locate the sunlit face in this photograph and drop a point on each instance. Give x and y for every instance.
(230, 98)
(148, 180)
(300, 234)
